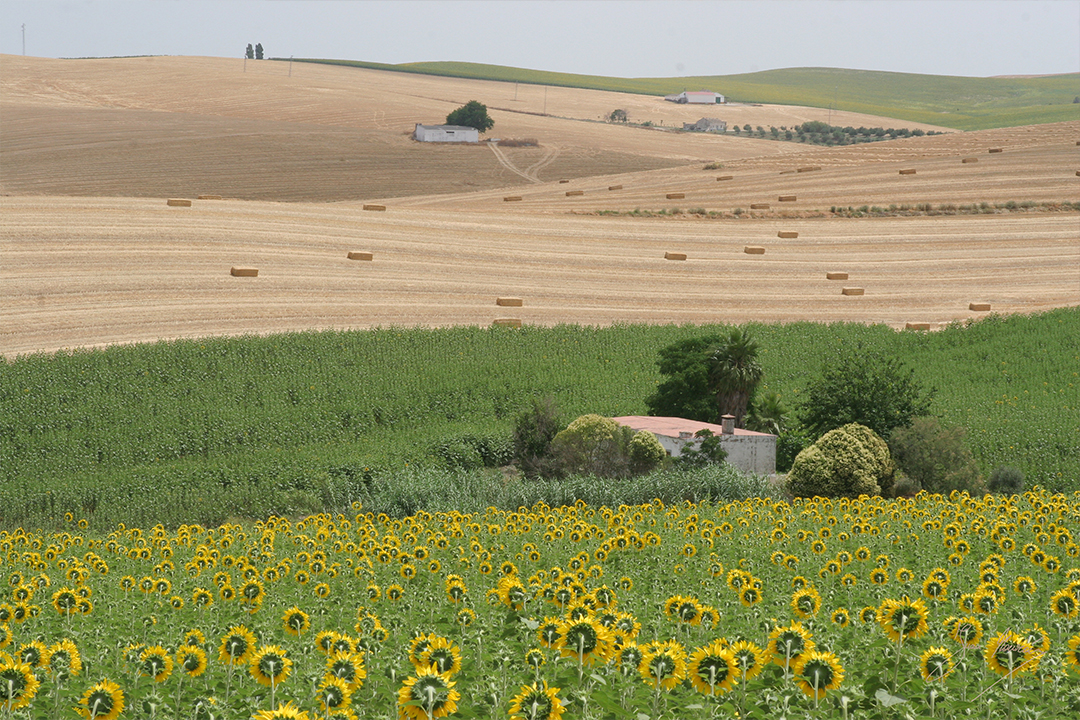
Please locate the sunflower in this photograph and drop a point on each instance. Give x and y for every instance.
(586, 641)
(18, 684)
(712, 669)
(322, 590)
(296, 621)
(1025, 585)
(194, 637)
(394, 592)
(444, 655)
(550, 632)
(156, 662)
(934, 589)
(903, 619)
(349, 666)
(628, 657)
(237, 646)
(334, 693)
(935, 664)
(817, 671)
(201, 597)
(787, 644)
(428, 694)
(751, 659)
(868, 614)
(269, 665)
(103, 701)
(288, 711)
(806, 602)
(192, 660)
(536, 702)
(64, 659)
(967, 631)
(1009, 655)
(1072, 658)
(1063, 603)
(65, 601)
(841, 617)
(534, 658)
(664, 665)
(465, 617)
(34, 653)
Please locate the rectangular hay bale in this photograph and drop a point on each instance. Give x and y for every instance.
(836, 276)
(507, 322)
(178, 202)
(376, 208)
(675, 196)
(996, 150)
(360, 255)
(614, 187)
(811, 168)
(759, 206)
(563, 182)
(965, 161)
(979, 306)
(674, 256)
(787, 198)
(209, 197)
(852, 291)
(754, 250)
(244, 272)
(724, 177)
(917, 326)
(512, 198)
(787, 234)
(909, 171)
(509, 302)
(571, 193)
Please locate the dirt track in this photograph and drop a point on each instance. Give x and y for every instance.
(81, 269)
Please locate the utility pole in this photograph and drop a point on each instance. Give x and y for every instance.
(24, 39)
(545, 99)
(290, 66)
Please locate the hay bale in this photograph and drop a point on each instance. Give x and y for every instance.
(209, 197)
(787, 234)
(787, 172)
(507, 322)
(563, 182)
(836, 276)
(674, 256)
(244, 272)
(512, 198)
(852, 291)
(754, 250)
(360, 255)
(787, 198)
(571, 193)
(965, 161)
(614, 187)
(979, 306)
(917, 326)
(724, 177)
(509, 302)
(759, 206)
(376, 208)
(178, 202)
(909, 171)
(1078, 173)
(996, 150)
(676, 196)
(811, 168)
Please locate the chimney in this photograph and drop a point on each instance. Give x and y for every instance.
(727, 423)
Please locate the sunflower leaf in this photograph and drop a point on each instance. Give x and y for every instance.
(888, 700)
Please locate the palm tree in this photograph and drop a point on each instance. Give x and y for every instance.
(734, 373)
(768, 415)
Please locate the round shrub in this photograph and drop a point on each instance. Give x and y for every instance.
(846, 462)
(1005, 480)
(646, 452)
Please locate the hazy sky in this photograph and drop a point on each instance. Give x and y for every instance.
(624, 38)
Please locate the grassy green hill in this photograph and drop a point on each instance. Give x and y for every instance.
(964, 103)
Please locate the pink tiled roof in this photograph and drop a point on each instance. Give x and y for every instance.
(672, 426)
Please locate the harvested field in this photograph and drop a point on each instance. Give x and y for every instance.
(93, 255)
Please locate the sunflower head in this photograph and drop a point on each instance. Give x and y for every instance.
(537, 702)
(103, 701)
(935, 664)
(18, 684)
(816, 672)
(427, 694)
(713, 669)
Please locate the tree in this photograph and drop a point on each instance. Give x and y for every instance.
(533, 433)
(867, 388)
(735, 374)
(618, 115)
(259, 51)
(767, 414)
(472, 114)
(250, 52)
(935, 456)
(846, 462)
(596, 445)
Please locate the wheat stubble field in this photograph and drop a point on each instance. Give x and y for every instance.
(90, 254)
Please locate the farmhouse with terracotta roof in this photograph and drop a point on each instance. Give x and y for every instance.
(749, 451)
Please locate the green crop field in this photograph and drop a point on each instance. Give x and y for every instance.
(964, 103)
(320, 414)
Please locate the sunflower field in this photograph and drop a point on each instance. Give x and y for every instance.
(930, 606)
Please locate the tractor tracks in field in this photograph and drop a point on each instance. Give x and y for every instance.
(530, 173)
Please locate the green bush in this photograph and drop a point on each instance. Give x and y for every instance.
(846, 462)
(595, 445)
(935, 456)
(709, 451)
(533, 432)
(1005, 480)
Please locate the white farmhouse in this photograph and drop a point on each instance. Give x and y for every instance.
(713, 125)
(697, 97)
(446, 133)
(749, 451)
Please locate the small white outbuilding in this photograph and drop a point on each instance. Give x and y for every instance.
(749, 451)
(446, 133)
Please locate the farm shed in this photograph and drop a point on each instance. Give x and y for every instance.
(749, 451)
(706, 125)
(446, 133)
(697, 97)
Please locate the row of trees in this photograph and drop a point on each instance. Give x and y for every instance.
(254, 53)
(817, 132)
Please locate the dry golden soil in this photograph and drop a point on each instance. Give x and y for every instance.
(91, 254)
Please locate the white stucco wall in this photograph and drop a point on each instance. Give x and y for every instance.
(446, 133)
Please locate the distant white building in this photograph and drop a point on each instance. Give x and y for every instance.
(697, 97)
(749, 451)
(446, 133)
(706, 125)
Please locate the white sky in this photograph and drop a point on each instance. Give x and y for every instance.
(622, 38)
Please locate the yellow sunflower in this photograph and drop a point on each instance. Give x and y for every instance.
(903, 619)
(288, 711)
(427, 694)
(296, 621)
(536, 702)
(237, 646)
(192, 660)
(751, 659)
(64, 659)
(585, 640)
(817, 671)
(18, 685)
(1072, 657)
(270, 666)
(444, 655)
(1009, 655)
(712, 669)
(334, 693)
(103, 701)
(935, 664)
(349, 666)
(788, 644)
(663, 665)
(156, 662)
